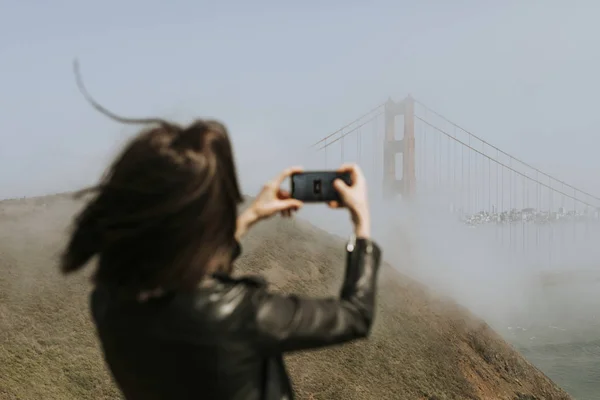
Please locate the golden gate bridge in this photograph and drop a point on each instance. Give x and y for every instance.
(417, 153)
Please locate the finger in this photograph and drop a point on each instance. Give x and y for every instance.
(344, 191)
(333, 204)
(356, 174)
(289, 204)
(278, 181)
(346, 167)
(341, 187)
(283, 194)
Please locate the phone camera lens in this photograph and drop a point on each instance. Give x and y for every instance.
(317, 186)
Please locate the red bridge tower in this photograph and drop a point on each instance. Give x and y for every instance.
(406, 185)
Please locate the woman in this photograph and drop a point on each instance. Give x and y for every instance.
(173, 322)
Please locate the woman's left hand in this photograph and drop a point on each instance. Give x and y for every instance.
(270, 201)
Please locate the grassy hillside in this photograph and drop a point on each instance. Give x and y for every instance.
(422, 346)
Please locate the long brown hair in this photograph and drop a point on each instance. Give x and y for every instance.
(164, 215)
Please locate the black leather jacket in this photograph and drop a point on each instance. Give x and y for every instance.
(226, 339)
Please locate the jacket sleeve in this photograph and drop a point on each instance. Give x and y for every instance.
(284, 323)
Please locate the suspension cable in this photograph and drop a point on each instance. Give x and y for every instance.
(503, 152)
(349, 132)
(508, 167)
(348, 125)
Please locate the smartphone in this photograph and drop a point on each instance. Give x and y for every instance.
(317, 186)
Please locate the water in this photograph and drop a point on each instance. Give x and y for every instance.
(560, 334)
(573, 366)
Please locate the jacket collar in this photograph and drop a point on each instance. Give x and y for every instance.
(252, 280)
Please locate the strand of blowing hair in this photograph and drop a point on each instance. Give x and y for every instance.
(165, 212)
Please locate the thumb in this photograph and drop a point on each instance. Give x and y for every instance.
(341, 187)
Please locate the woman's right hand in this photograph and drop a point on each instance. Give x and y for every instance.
(355, 199)
(270, 201)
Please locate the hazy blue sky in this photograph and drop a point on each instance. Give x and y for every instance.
(522, 74)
